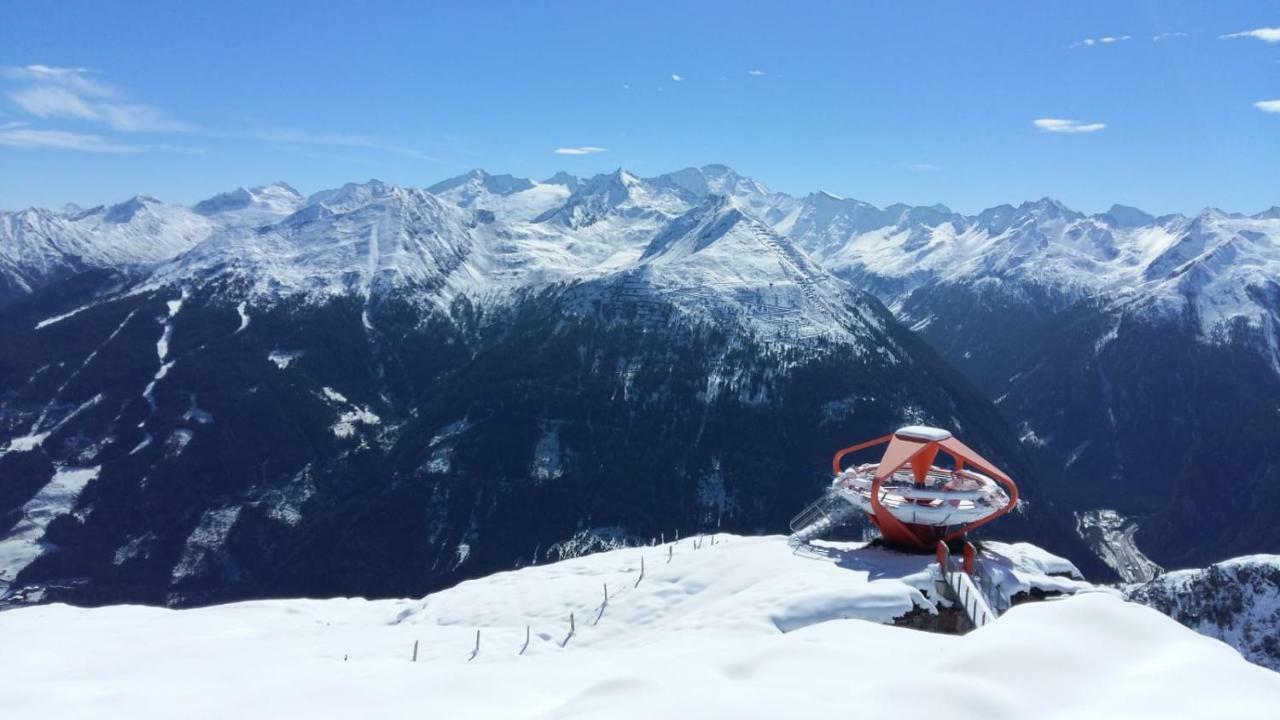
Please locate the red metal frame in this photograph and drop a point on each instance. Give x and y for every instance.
(920, 454)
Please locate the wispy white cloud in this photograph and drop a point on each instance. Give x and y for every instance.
(1059, 125)
(757, 73)
(76, 94)
(1265, 34)
(79, 79)
(20, 136)
(1160, 37)
(1270, 106)
(1104, 40)
(584, 150)
(677, 78)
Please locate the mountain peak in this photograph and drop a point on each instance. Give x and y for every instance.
(624, 176)
(1127, 216)
(594, 198)
(697, 229)
(352, 195)
(279, 186)
(1047, 208)
(481, 180)
(125, 211)
(278, 199)
(565, 179)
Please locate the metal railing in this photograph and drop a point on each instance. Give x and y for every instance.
(980, 603)
(821, 517)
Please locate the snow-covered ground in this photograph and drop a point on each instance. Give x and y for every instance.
(699, 636)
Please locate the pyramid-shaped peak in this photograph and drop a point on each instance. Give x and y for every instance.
(699, 228)
(565, 179)
(1127, 216)
(125, 211)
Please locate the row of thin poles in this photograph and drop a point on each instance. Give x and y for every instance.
(697, 543)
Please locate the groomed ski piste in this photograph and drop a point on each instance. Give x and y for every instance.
(719, 627)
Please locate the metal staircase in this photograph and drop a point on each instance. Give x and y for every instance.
(821, 517)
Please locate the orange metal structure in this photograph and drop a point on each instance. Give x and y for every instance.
(917, 448)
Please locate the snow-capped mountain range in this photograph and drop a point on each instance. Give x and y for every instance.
(483, 234)
(189, 385)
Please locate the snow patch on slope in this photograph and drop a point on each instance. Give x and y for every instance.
(205, 542)
(25, 541)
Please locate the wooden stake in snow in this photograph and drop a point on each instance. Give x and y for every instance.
(526, 640)
(603, 605)
(641, 572)
(477, 650)
(670, 551)
(415, 651)
(571, 631)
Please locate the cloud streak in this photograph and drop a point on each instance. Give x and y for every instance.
(1268, 106)
(55, 93)
(756, 73)
(677, 78)
(77, 94)
(1104, 40)
(584, 150)
(1270, 35)
(1060, 125)
(18, 135)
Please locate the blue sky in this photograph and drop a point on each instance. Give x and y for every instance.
(885, 102)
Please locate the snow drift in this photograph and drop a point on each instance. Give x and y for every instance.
(699, 636)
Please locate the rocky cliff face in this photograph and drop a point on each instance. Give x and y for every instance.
(1236, 601)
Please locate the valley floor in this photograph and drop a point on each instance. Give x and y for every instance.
(740, 628)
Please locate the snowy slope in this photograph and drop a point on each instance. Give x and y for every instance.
(1216, 268)
(251, 207)
(25, 540)
(507, 198)
(1236, 601)
(356, 239)
(38, 246)
(698, 637)
(717, 260)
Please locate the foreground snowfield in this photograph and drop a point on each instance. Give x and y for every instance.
(700, 636)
